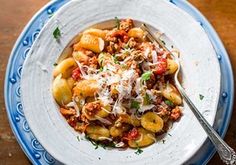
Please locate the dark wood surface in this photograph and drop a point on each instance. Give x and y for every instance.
(14, 14)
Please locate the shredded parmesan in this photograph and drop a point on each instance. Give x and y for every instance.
(104, 138)
(154, 56)
(146, 107)
(120, 144)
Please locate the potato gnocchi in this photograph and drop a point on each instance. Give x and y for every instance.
(117, 87)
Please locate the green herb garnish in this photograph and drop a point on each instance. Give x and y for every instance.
(92, 142)
(55, 64)
(57, 33)
(101, 69)
(169, 103)
(146, 99)
(139, 151)
(201, 97)
(163, 141)
(146, 76)
(117, 23)
(163, 42)
(116, 60)
(135, 104)
(126, 46)
(78, 138)
(99, 144)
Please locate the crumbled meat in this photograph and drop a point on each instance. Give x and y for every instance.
(132, 43)
(114, 35)
(72, 121)
(81, 127)
(163, 111)
(113, 47)
(175, 113)
(93, 62)
(92, 108)
(146, 45)
(151, 82)
(67, 112)
(126, 24)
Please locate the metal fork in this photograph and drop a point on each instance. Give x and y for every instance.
(226, 153)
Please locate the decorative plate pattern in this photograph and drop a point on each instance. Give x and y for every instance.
(36, 153)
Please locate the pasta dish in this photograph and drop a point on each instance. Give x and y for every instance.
(117, 88)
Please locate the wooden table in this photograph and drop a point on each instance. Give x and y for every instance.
(14, 14)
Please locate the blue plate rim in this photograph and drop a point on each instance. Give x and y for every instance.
(184, 5)
(20, 141)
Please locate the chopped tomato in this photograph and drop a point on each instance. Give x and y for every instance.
(76, 74)
(161, 66)
(133, 134)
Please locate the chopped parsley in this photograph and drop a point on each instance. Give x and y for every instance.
(139, 151)
(146, 99)
(110, 144)
(117, 23)
(92, 142)
(146, 76)
(101, 69)
(116, 60)
(126, 46)
(163, 42)
(99, 144)
(201, 97)
(57, 33)
(135, 104)
(55, 64)
(78, 138)
(163, 141)
(169, 103)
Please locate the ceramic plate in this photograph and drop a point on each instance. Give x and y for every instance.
(45, 121)
(198, 61)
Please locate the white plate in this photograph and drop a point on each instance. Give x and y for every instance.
(200, 68)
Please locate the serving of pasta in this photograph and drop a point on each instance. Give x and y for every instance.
(117, 88)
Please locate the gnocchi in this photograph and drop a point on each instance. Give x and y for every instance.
(145, 138)
(94, 113)
(85, 88)
(96, 32)
(65, 67)
(90, 42)
(61, 91)
(97, 132)
(171, 93)
(172, 66)
(136, 33)
(152, 122)
(114, 85)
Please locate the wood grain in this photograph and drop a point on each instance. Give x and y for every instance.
(14, 14)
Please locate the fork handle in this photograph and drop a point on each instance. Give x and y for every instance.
(226, 153)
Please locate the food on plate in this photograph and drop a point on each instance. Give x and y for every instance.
(117, 87)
